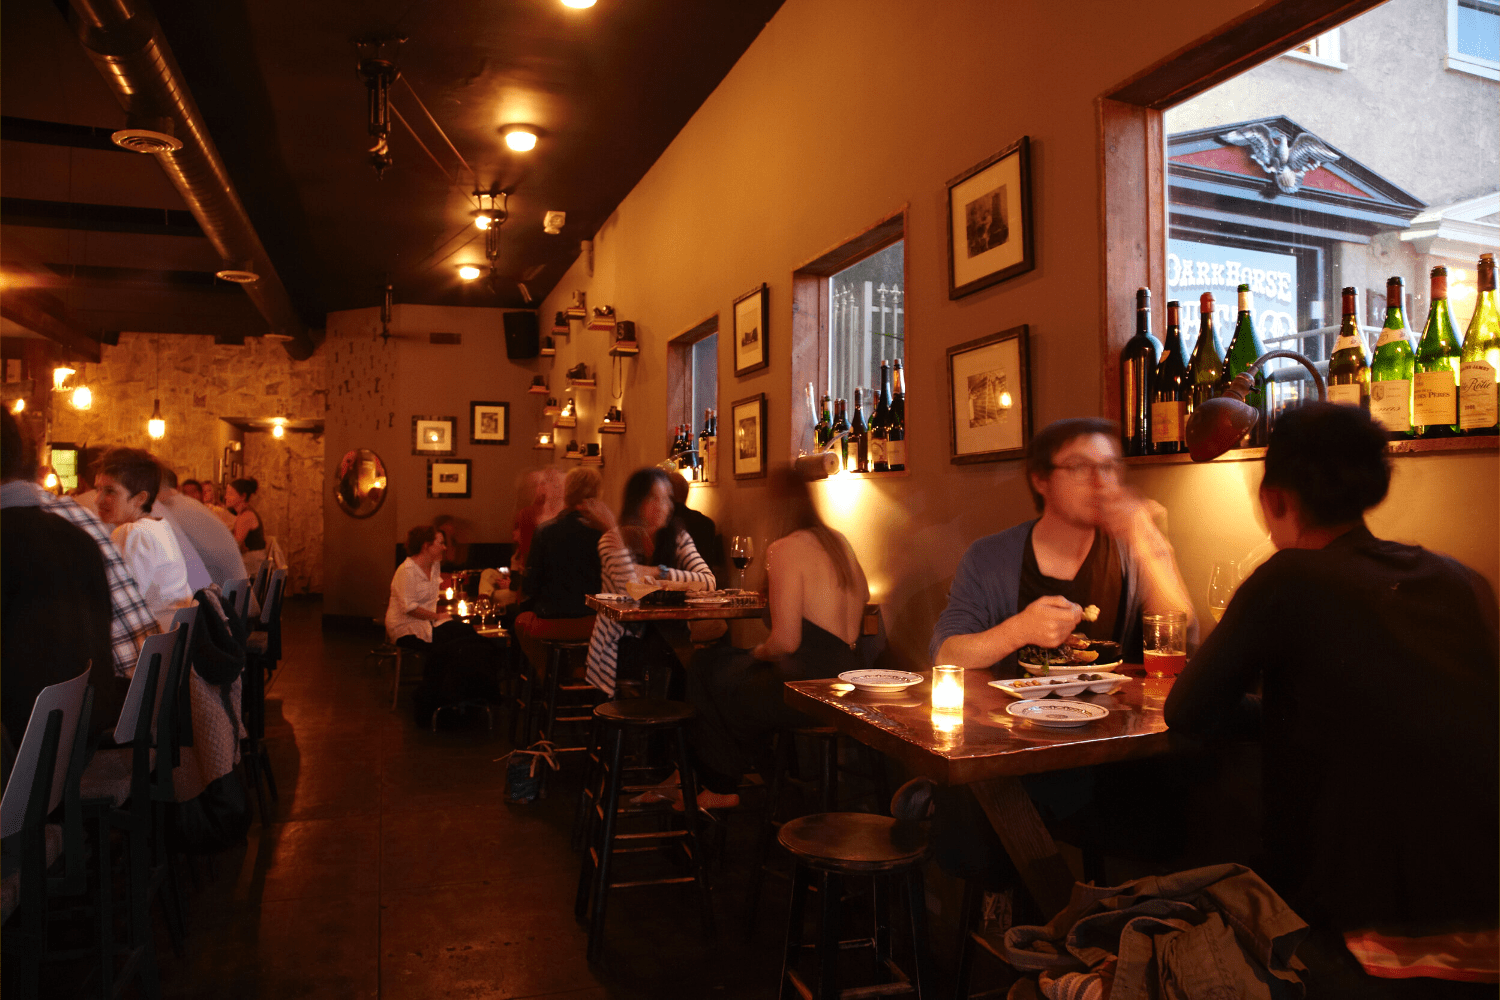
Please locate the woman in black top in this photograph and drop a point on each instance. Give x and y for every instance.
(248, 531)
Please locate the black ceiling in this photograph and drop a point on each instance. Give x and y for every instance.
(276, 81)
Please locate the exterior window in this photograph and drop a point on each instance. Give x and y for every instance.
(866, 321)
(705, 378)
(692, 389)
(1323, 49)
(1474, 37)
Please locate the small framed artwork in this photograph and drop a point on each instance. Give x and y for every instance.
(989, 221)
(489, 423)
(749, 420)
(752, 316)
(989, 398)
(447, 479)
(434, 435)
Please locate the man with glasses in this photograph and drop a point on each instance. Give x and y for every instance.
(1095, 545)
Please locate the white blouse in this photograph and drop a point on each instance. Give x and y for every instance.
(153, 557)
(412, 589)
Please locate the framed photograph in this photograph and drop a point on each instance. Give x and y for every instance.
(989, 221)
(748, 417)
(989, 398)
(752, 317)
(447, 479)
(489, 423)
(434, 435)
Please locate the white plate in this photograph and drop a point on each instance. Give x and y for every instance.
(1063, 686)
(1058, 714)
(1035, 669)
(881, 680)
(613, 597)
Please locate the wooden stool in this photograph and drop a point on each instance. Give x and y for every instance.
(830, 846)
(614, 719)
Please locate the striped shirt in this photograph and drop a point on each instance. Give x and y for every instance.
(618, 569)
(132, 620)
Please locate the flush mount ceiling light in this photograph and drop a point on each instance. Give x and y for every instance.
(242, 275)
(521, 140)
(578, 4)
(469, 272)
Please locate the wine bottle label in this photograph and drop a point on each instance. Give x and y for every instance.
(1168, 421)
(1346, 341)
(1434, 398)
(1389, 335)
(1476, 395)
(877, 451)
(1390, 404)
(1348, 394)
(895, 452)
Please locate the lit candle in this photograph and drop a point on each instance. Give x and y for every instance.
(948, 688)
(448, 594)
(463, 608)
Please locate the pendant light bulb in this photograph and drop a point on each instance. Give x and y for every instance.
(156, 426)
(82, 398)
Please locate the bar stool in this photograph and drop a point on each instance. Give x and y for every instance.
(614, 720)
(830, 846)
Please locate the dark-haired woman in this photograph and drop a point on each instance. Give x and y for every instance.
(127, 486)
(644, 544)
(1377, 663)
(248, 530)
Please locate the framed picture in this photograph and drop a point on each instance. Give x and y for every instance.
(752, 317)
(434, 435)
(989, 221)
(447, 479)
(748, 417)
(989, 398)
(489, 423)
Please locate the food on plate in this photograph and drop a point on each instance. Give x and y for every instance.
(1091, 613)
(1069, 654)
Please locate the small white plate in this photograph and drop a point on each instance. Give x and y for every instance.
(1064, 686)
(881, 680)
(1037, 670)
(1057, 714)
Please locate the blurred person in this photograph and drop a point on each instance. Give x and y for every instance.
(562, 569)
(249, 533)
(456, 550)
(635, 549)
(700, 527)
(90, 459)
(128, 482)
(539, 499)
(1381, 815)
(192, 489)
(197, 573)
(210, 490)
(205, 534)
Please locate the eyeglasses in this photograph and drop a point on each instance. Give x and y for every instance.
(1113, 469)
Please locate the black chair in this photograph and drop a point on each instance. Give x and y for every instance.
(236, 600)
(262, 654)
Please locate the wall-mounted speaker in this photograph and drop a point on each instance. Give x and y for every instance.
(522, 339)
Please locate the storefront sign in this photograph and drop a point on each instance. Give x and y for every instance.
(1195, 268)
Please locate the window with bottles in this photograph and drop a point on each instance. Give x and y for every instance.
(866, 321)
(693, 399)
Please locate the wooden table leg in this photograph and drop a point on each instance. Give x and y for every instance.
(1031, 848)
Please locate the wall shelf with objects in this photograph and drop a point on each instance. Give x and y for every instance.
(1421, 446)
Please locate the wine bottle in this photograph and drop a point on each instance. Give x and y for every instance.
(896, 432)
(1170, 391)
(1137, 369)
(1434, 397)
(859, 437)
(1392, 366)
(841, 432)
(1244, 349)
(710, 446)
(879, 423)
(825, 425)
(1480, 358)
(1348, 371)
(1206, 366)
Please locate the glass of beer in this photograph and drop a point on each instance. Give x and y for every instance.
(1165, 641)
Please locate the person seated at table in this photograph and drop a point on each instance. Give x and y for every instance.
(1377, 663)
(1094, 544)
(700, 527)
(205, 533)
(198, 575)
(128, 483)
(563, 568)
(650, 554)
(539, 500)
(817, 603)
(191, 488)
(249, 533)
(85, 494)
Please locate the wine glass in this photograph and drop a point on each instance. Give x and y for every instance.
(1222, 583)
(741, 553)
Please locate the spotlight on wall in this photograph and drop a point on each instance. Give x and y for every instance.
(468, 272)
(156, 426)
(82, 398)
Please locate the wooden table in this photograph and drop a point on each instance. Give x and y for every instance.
(626, 610)
(990, 750)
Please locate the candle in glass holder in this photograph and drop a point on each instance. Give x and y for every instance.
(448, 594)
(463, 609)
(948, 688)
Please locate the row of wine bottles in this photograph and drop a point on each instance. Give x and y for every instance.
(877, 446)
(1439, 388)
(700, 458)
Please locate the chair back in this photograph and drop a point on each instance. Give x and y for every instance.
(270, 615)
(46, 752)
(174, 705)
(237, 598)
(261, 576)
(156, 656)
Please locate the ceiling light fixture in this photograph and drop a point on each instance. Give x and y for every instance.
(156, 426)
(377, 67)
(468, 272)
(521, 140)
(578, 4)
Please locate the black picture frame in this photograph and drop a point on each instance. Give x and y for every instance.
(752, 324)
(748, 442)
(440, 468)
(479, 410)
(980, 252)
(983, 426)
(423, 444)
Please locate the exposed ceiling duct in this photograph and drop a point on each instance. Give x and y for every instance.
(127, 46)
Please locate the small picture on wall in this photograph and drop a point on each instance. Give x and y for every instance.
(434, 435)
(989, 221)
(448, 479)
(489, 423)
(989, 398)
(748, 418)
(752, 313)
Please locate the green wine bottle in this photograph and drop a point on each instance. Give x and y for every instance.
(1434, 405)
(1392, 366)
(1348, 371)
(1244, 348)
(1480, 358)
(824, 431)
(1206, 366)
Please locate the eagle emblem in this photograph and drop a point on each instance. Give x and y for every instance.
(1286, 161)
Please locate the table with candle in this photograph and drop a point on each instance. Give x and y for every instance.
(955, 728)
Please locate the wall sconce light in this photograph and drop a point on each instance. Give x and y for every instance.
(19, 406)
(82, 398)
(278, 427)
(1220, 423)
(156, 426)
(61, 374)
(469, 272)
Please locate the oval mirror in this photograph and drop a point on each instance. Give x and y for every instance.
(360, 484)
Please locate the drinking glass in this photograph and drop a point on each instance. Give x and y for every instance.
(1222, 583)
(741, 553)
(1165, 639)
